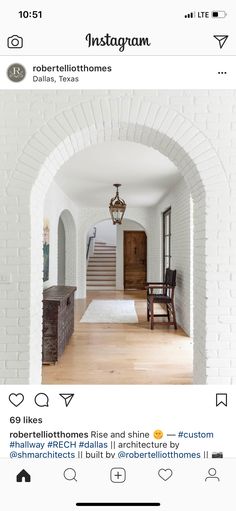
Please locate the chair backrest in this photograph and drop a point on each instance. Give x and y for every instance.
(170, 277)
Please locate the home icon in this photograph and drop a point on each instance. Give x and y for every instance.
(23, 476)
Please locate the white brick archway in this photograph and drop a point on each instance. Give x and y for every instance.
(141, 121)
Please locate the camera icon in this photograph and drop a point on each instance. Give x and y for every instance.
(15, 41)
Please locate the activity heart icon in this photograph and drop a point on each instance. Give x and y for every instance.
(165, 473)
(16, 399)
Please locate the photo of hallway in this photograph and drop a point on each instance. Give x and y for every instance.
(83, 279)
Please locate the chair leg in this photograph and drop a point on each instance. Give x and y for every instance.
(148, 313)
(174, 316)
(152, 316)
(168, 312)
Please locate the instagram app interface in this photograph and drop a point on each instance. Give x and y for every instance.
(117, 256)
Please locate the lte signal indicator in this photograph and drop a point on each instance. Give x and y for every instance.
(190, 15)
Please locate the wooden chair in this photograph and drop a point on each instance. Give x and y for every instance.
(165, 297)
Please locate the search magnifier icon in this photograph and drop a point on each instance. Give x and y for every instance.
(70, 474)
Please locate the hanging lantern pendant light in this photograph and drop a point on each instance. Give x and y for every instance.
(117, 207)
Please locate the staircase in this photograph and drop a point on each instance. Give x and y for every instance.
(101, 269)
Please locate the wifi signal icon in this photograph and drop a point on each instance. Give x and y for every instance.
(190, 15)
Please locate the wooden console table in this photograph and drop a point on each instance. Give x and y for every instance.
(58, 321)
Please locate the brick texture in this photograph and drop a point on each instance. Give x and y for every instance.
(39, 131)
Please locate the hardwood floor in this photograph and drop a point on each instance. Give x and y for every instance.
(122, 354)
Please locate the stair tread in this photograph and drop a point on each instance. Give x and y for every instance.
(101, 278)
(112, 284)
(98, 261)
(101, 274)
(103, 256)
(100, 269)
(93, 275)
(102, 263)
(105, 288)
(101, 284)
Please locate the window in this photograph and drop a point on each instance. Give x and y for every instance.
(166, 240)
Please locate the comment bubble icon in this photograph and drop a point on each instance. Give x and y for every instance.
(41, 400)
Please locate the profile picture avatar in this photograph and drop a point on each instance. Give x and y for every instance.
(15, 41)
(16, 72)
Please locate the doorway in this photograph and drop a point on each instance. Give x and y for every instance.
(135, 259)
(61, 253)
(64, 260)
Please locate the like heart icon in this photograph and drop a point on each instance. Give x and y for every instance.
(16, 399)
(165, 473)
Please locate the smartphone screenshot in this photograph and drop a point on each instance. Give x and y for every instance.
(117, 255)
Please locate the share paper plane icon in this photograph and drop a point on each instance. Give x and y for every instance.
(221, 39)
(67, 397)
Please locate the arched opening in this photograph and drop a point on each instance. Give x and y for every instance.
(61, 254)
(154, 126)
(67, 246)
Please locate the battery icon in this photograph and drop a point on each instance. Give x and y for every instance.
(218, 14)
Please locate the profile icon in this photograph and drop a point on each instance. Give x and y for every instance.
(212, 475)
(16, 72)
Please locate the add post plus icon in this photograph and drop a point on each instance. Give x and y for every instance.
(117, 475)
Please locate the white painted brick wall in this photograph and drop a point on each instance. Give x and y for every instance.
(195, 129)
(180, 202)
(182, 252)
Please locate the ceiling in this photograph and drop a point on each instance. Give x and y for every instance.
(145, 174)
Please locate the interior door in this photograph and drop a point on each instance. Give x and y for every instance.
(135, 259)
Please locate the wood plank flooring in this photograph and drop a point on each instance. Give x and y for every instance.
(122, 354)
